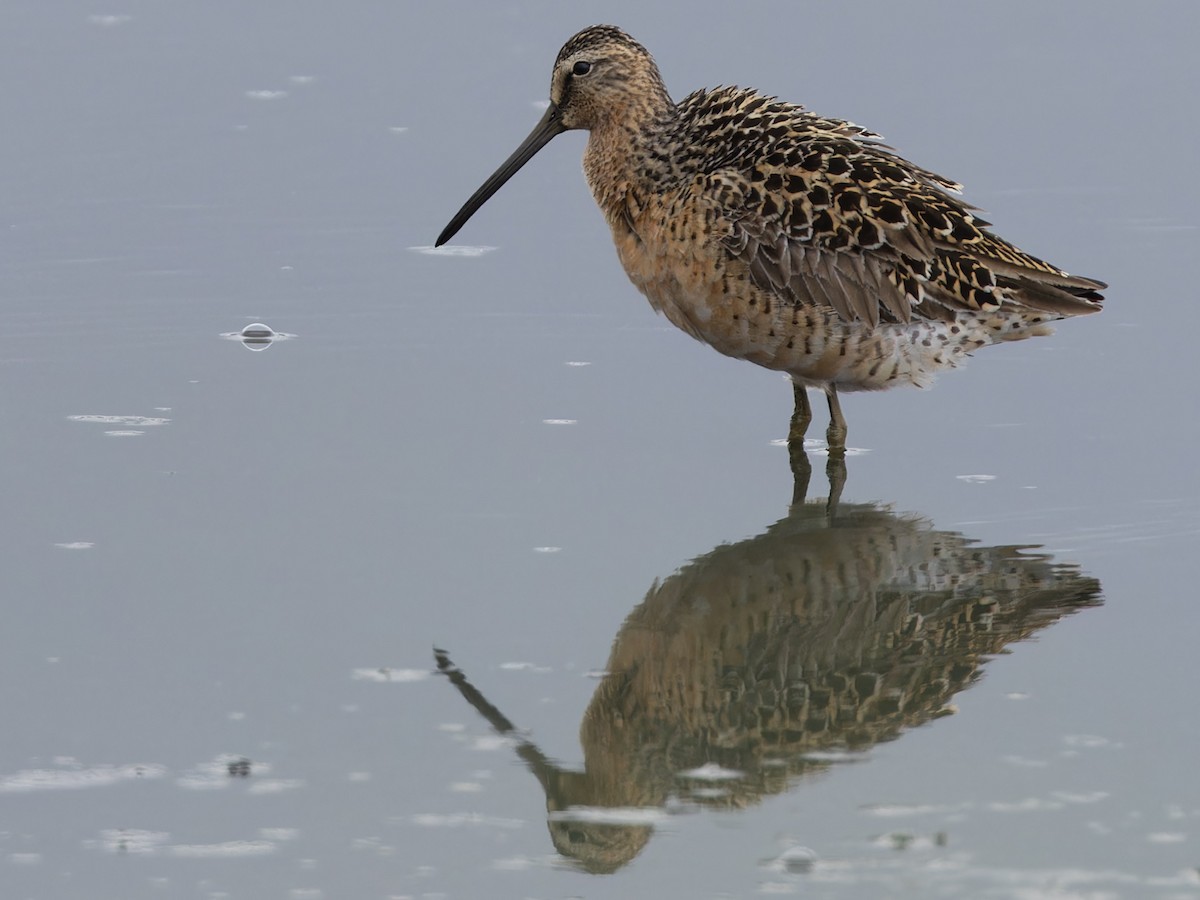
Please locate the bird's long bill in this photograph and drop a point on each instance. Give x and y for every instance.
(546, 130)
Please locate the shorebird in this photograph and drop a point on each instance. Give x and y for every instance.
(798, 242)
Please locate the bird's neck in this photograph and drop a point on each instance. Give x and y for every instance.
(627, 157)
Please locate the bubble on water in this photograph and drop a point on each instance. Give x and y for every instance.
(257, 336)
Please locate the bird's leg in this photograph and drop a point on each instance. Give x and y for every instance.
(835, 437)
(801, 471)
(801, 416)
(835, 471)
(798, 459)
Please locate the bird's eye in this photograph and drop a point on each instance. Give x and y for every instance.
(581, 68)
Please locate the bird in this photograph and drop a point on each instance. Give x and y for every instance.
(801, 243)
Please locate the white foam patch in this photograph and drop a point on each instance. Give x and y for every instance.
(513, 864)
(275, 786)
(547, 549)
(976, 479)
(1166, 837)
(1029, 804)
(892, 810)
(491, 742)
(1091, 797)
(29, 780)
(460, 820)
(1090, 741)
(226, 849)
(108, 21)
(713, 772)
(610, 815)
(76, 545)
(820, 448)
(372, 845)
(266, 95)
(834, 756)
(279, 834)
(453, 250)
(135, 421)
(386, 674)
(560, 421)
(525, 667)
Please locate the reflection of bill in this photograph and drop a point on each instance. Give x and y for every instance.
(746, 669)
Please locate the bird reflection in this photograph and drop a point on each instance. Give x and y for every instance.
(757, 663)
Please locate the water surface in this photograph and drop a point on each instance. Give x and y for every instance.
(226, 571)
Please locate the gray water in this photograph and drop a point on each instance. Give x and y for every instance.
(225, 572)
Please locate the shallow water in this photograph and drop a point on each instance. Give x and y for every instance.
(227, 571)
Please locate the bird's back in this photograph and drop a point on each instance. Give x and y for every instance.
(805, 244)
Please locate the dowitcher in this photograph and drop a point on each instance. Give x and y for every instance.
(798, 242)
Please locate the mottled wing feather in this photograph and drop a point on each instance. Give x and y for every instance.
(822, 213)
